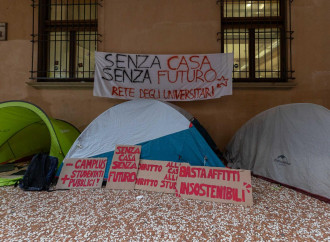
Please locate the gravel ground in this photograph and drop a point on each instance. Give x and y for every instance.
(278, 214)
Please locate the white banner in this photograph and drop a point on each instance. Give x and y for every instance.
(163, 77)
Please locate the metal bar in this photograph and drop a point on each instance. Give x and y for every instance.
(42, 43)
(90, 38)
(60, 62)
(33, 37)
(233, 33)
(72, 54)
(247, 55)
(55, 38)
(290, 41)
(271, 42)
(251, 9)
(74, 23)
(253, 20)
(84, 42)
(258, 51)
(96, 37)
(252, 52)
(265, 55)
(266, 70)
(239, 42)
(67, 37)
(77, 42)
(73, 79)
(222, 32)
(282, 42)
(49, 39)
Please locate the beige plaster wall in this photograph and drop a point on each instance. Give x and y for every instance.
(163, 27)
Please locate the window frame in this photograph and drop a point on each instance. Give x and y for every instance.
(42, 38)
(253, 23)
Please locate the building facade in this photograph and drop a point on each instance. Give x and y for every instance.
(169, 27)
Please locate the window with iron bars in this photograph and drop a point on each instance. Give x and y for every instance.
(259, 35)
(66, 40)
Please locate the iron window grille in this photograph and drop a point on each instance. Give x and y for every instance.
(259, 34)
(66, 39)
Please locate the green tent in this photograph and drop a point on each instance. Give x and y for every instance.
(25, 130)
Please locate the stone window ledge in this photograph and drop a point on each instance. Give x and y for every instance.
(61, 85)
(264, 85)
(90, 85)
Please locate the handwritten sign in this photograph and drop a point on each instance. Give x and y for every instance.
(157, 176)
(124, 166)
(82, 173)
(215, 184)
(163, 77)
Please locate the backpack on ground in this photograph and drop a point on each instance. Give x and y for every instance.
(40, 173)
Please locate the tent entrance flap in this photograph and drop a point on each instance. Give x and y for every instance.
(30, 140)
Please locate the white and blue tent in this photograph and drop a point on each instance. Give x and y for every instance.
(165, 132)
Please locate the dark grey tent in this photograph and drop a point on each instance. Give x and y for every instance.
(289, 144)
